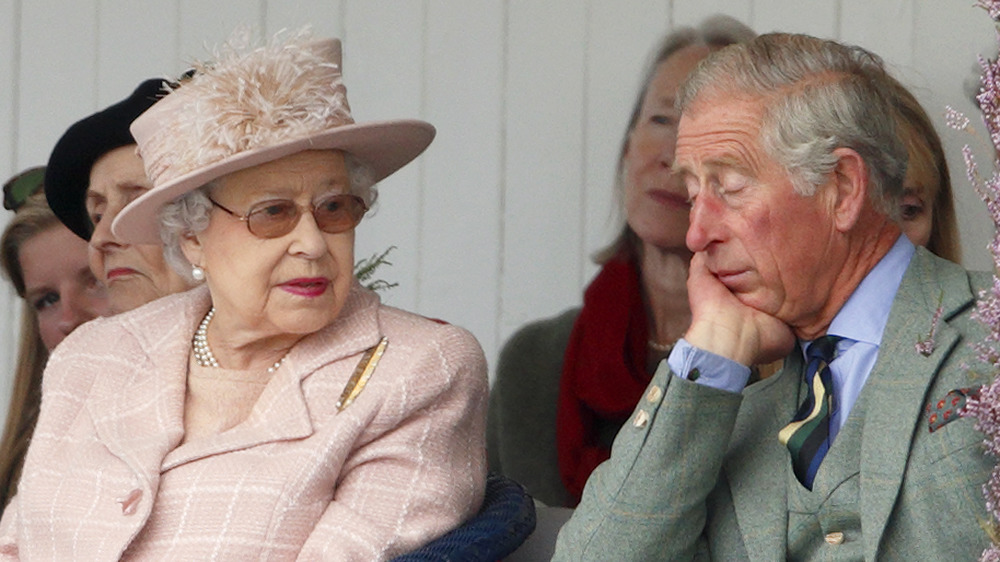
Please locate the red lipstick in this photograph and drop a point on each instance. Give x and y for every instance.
(306, 286)
(117, 272)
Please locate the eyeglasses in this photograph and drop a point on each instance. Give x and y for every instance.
(277, 217)
(18, 188)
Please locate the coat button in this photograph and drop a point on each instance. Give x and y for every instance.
(834, 538)
(641, 419)
(130, 502)
(654, 394)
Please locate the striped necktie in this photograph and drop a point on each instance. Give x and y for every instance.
(808, 435)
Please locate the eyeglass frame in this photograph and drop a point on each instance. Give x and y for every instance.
(311, 207)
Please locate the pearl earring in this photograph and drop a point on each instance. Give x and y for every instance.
(197, 273)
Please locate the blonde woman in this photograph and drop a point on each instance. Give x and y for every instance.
(47, 265)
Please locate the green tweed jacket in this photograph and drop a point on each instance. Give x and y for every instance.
(699, 473)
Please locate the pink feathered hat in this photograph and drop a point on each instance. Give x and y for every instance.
(251, 108)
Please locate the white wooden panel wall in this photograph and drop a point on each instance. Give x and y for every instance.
(496, 222)
(10, 62)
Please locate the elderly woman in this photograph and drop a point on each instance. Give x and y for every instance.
(93, 172)
(280, 411)
(565, 385)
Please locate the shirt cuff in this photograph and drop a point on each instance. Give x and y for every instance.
(706, 368)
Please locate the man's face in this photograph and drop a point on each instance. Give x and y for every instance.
(766, 243)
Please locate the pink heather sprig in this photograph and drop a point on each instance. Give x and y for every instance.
(987, 98)
(985, 408)
(956, 119)
(991, 6)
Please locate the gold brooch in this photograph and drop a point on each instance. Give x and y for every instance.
(362, 373)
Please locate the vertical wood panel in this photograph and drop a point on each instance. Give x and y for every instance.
(136, 41)
(620, 39)
(460, 265)
(463, 88)
(383, 62)
(544, 183)
(9, 45)
(325, 16)
(690, 12)
(58, 78)
(205, 25)
(885, 28)
(815, 17)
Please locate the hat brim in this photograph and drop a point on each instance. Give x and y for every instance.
(384, 146)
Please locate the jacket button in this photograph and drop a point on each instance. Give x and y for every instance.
(654, 394)
(834, 538)
(130, 502)
(641, 419)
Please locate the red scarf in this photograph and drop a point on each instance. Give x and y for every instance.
(604, 370)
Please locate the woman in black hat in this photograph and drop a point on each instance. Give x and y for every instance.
(92, 174)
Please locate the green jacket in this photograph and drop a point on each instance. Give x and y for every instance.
(521, 425)
(699, 473)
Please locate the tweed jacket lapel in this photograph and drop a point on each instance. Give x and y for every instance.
(282, 413)
(898, 385)
(767, 407)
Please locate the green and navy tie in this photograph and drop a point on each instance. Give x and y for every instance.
(808, 435)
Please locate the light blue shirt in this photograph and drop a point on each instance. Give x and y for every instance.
(860, 322)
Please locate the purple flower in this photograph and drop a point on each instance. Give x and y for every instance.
(985, 408)
(991, 6)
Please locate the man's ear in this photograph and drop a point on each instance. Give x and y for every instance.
(191, 248)
(850, 177)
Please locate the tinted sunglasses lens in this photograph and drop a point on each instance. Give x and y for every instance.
(339, 213)
(273, 219)
(20, 187)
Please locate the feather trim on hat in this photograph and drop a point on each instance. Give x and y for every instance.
(248, 98)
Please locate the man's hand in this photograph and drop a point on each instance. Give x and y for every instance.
(723, 325)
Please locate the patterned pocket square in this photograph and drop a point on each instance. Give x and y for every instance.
(946, 410)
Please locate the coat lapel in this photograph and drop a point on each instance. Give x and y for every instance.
(282, 412)
(767, 407)
(138, 412)
(898, 385)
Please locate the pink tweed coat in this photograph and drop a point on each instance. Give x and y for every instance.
(106, 477)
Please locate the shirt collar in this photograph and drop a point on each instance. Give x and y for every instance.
(865, 314)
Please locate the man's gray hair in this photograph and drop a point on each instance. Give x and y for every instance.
(817, 96)
(190, 214)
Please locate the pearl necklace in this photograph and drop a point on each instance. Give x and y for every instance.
(203, 353)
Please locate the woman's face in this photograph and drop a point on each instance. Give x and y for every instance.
(58, 283)
(656, 205)
(916, 208)
(133, 274)
(291, 285)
